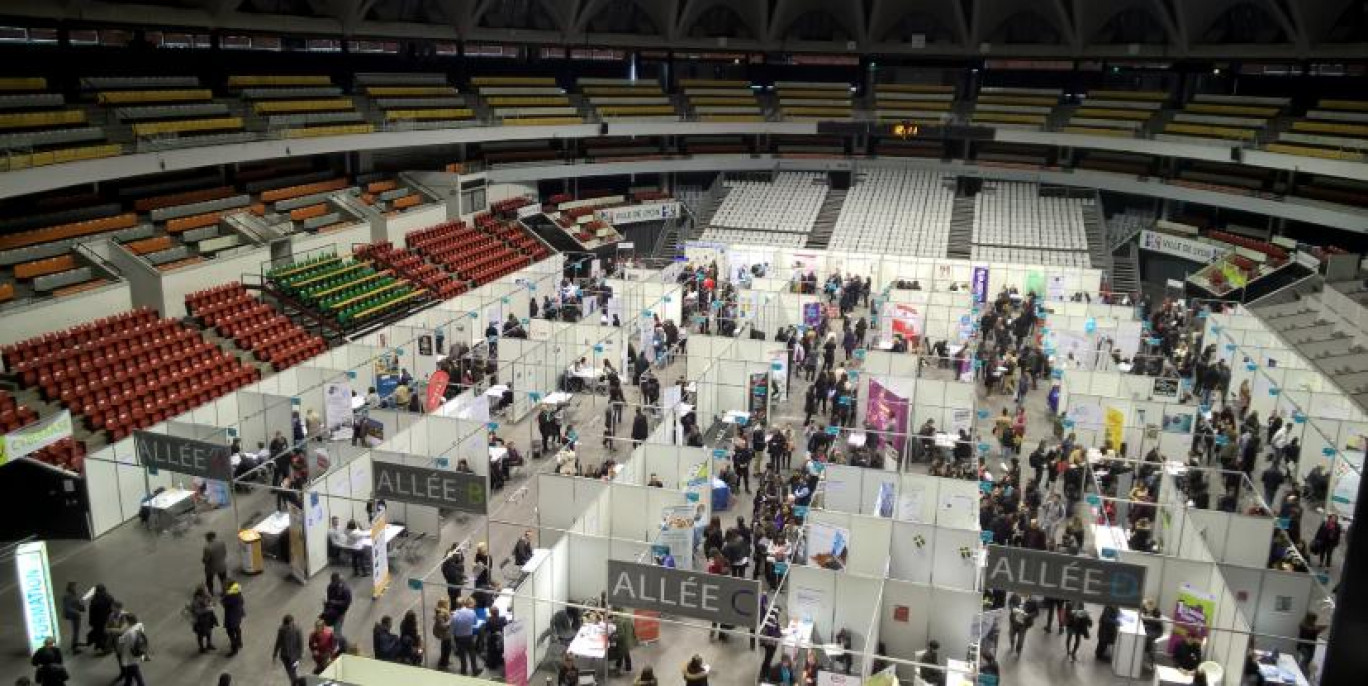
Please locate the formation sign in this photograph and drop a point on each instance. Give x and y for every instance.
(722, 599)
(435, 487)
(1064, 577)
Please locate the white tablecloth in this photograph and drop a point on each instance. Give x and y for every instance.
(586, 373)
(392, 532)
(591, 641)
(557, 398)
(497, 453)
(1279, 674)
(496, 391)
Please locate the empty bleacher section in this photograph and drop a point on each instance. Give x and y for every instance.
(299, 106)
(474, 254)
(38, 255)
(628, 99)
(1333, 190)
(1015, 222)
(717, 100)
(805, 100)
(416, 100)
(1234, 178)
(786, 204)
(1015, 108)
(1224, 118)
(615, 148)
(510, 153)
(348, 292)
(127, 371)
(165, 111)
(253, 325)
(1333, 129)
(714, 145)
(1115, 113)
(579, 219)
(896, 212)
(38, 127)
(918, 103)
(526, 100)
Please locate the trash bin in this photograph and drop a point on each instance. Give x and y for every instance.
(249, 546)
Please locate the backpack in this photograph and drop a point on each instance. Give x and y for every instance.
(139, 647)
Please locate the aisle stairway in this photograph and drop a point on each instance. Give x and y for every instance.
(961, 241)
(820, 236)
(1095, 228)
(1125, 272)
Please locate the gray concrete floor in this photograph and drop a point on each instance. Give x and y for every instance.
(154, 575)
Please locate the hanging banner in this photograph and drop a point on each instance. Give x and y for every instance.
(758, 397)
(887, 413)
(979, 286)
(1344, 482)
(34, 578)
(632, 214)
(337, 410)
(1192, 614)
(1116, 425)
(183, 455)
(34, 437)
(436, 390)
(1186, 248)
(812, 315)
(380, 573)
(515, 653)
(299, 555)
(779, 369)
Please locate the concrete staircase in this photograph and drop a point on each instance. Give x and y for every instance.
(820, 235)
(1125, 273)
(961, 242)
(1095, 227)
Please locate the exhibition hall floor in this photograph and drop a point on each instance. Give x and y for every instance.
(153, 575)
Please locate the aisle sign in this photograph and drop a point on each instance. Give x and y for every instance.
(183, 455)
(434, 487)
(1066, 577)
(34, 437)
(712, 597)
(35, 594)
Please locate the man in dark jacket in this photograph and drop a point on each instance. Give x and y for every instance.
(337, 601)
(101, 607)
(453, 571)
(234, 610)
(384, 641)
(640, 429)
(289, 647)
(215, 559)
(72, 607)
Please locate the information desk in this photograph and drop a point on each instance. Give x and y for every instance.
(164, 507)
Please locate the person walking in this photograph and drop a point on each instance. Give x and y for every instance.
(202, 619)
(322, 645)
(101, 608)
(463, 636)
(289, 647)
(493, 639)
(1022, 618)
(215, 559)
(441, 630)
(48, 669)
(695, 672)
(336, 603)
(1108, 627)
(131, 649)
(622, 640)
(72, 608)
(1079, 627)
(234, 611)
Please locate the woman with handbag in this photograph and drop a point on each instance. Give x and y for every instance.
(202, 618)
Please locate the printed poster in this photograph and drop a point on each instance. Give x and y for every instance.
(1192, 615)
(1115, 427)
(758, 397)
(883, 502)
(1055, 290)
(380, 573)
(515, 653)
(828, 546)
(887, 413)
(337, 410)
(812, 315)
(910, 502)
(979, 285)
(299, 555)
(677, 534)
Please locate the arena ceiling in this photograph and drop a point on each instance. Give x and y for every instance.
(1274, 29)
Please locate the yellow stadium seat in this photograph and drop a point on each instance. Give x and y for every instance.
(444, 113)
(266, 80)
(286, 106)
(1305, 151)
(813, 94)
(1210, 131)
(186, 126)
(936, 105)
(1035, 100)
(712, 83)
(627, 110)
(643, 89)
(528, 101)
(1103, 113)
(513, 81)
(543, 121)
(35, 120)
(1354, 130)
(392, 91)
(130, 97)
(1094, 131)
(39, 159)
(913, 88)
(1247, 110)
(23, 83)
(816, 111)
(1009, 118)
(1152, 96)
(740, 101)
(731, 117)
(1351, 105)
(336, 130)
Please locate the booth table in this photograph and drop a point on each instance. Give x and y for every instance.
(497, 453)
(958, 673)
(721, 496)
(591, 641)
(735, 417)
(497, 391)
(272, 529)
(1128, 653)
(164, 507)
(1113, 537)
(557, 398)
(1284, 671)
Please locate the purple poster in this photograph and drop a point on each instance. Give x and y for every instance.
(887, 413)
(980, 285)
(812, 315)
